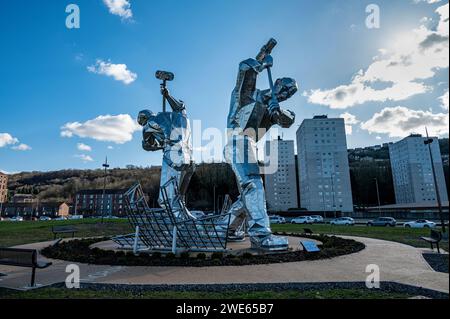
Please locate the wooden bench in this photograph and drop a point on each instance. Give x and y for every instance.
(307, 231)
(435, 238)
(63, 230)
(22, 258)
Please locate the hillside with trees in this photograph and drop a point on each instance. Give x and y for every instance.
(208, 180)
(368, 164)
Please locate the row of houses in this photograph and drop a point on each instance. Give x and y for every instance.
(35, 210)
(87, 203)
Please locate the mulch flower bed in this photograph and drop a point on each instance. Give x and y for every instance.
(439, 262)
(80, 251)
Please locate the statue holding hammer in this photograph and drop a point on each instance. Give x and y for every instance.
(171, 133)
(252, 113)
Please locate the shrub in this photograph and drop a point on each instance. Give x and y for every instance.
(247, 255)
(217, 255)
(170, 256)
(120, 254)
(216, 262)
(156, 254)
(201, 256)
(184, 255)
(236, 261)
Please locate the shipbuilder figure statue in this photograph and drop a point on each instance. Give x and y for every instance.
(171, 133)
(252, 113)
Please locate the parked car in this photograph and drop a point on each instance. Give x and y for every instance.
(17, 219)
(382, 221)
(420, 223)
(44, 218)
(76, 217)
(111, 217)
(346, 221)
(60, 218)
(277, 220)
(302, 220)
(317, 218)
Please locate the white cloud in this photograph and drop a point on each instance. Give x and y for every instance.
(444, 101)
(118, 129)
(119, 72)
(122, 8)
(425, 20)
(6, 139)
(110, 147)
(414, 57)
(21, 147)
(85, 158)
(358, 92)
(84, 147)
(427, 1)
(401, 121)
(8, 173)
(378, 137)
(350, 120)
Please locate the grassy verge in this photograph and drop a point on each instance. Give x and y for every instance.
(62, 293)
(18, 233)
(409, 236)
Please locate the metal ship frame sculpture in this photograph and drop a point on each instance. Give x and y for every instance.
(157, 229)
(173, 227)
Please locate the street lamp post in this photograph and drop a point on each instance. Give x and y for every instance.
(428, 142)
(378, 197)
(323, 204)
(334, 199)
(105, 165)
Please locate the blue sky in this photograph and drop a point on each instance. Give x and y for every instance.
(69, 96)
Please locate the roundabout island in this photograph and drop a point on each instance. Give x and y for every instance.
(103, 251)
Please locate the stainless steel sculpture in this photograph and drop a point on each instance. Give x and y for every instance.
(171, 227)
(252, 113)
(168, 229)
(171, 133)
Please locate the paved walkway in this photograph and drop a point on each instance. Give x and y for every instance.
(398, 262)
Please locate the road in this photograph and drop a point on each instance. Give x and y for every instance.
(363, 221)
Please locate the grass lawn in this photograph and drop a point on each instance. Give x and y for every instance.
(18, 233)
(409, 236)
(62, 293)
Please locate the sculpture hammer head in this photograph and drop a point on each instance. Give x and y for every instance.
(164, 75)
